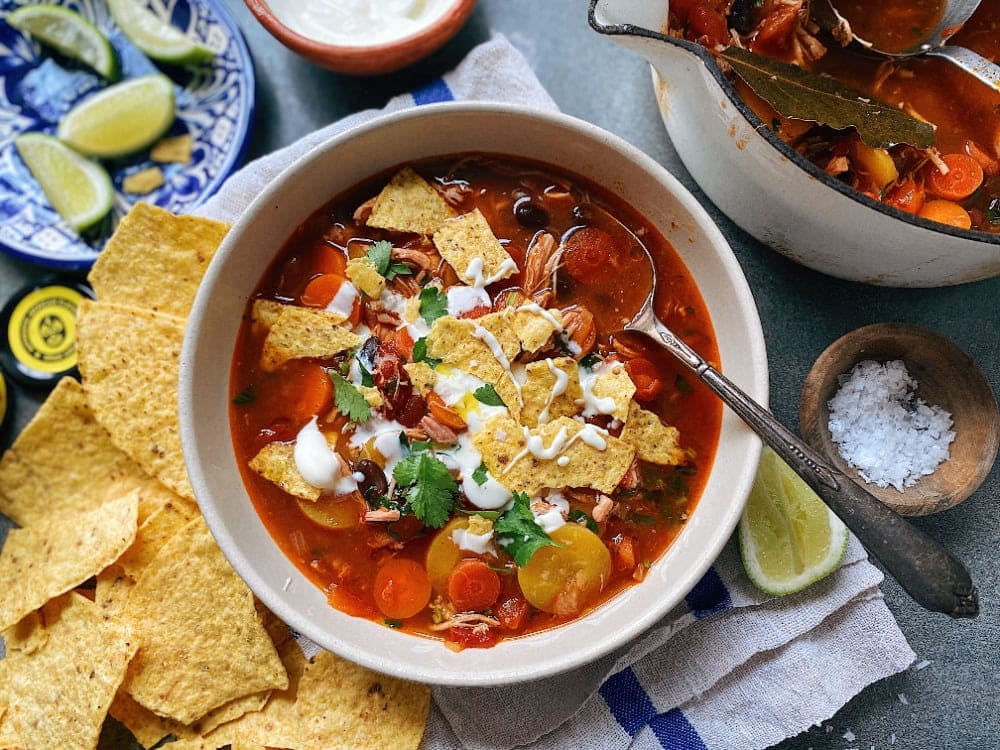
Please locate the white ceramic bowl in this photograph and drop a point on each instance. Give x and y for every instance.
(771, 191)
(343, 162)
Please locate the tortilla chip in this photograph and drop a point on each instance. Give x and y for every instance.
(201, 642)
(142, 182)
(535, 326)
(157, 530)
(129, 361)
(265, 311)
(612, 381)
(155, 260)
(112, 590)
(453, 341)
(64, 462)
(467, 242)
(42, 561)
(60, 694)
(653, 441)
(421, 376)
(539, 391)
(145, 726)
(502, 440)
(409, 204)
(176, 149)
(300, 332)
(362, 273)
(276, 463)
(26, 636)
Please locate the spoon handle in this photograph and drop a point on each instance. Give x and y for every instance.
(930, 574)
(974, 64)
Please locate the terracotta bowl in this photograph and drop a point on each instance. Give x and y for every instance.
(372, 59)
(946, 376)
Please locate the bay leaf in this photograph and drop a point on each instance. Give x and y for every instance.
(795, 92)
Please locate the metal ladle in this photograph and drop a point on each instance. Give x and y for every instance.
(932, 44)
(927, 572)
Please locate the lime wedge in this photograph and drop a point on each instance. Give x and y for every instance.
(120, 119)
(154, 36)
(78, 188)
(789, 539)
(70, 34)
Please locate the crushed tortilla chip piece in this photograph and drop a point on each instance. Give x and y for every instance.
(372, 395)
(421, 376)
(535, 325)
(47, 559)
(174, 149)
(411, 313)
(502, 443)
(542, 403)
(59, 695)
(265, 311)
(409, 204)
(467, 242)
(156, 260)
(653, 441)
(362, 272)
(144, 181)
(455, 341)
(612, 382)
(129, 361)
(64, 462)
(276, 463)
(305, 332)
(201, 642)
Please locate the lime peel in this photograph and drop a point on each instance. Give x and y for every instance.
(70, 34)
(79, 189)
(155, 37)
(788, 538)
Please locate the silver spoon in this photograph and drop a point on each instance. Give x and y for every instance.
(932, 43)
(927, 572)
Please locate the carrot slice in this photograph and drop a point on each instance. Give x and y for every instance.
(588, 254)
(946, 212)
(321, 290)
(473, 586)
(646, 377)
(964, 177)
(402, 588)
(444, 413)
(907, 196)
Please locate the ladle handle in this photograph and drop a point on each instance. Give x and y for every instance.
(971, 62)
(929, 573)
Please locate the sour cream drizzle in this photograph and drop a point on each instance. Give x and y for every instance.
(474, 272)
(590, 435)
(491, 341)
(558, 389)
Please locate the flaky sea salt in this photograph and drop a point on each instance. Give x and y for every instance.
(883, 430)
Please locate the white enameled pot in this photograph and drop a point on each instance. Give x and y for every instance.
(772, 192)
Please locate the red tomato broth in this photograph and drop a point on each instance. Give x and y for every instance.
(346, 562)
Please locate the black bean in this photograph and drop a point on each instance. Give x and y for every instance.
(374, 484)
(530, 214)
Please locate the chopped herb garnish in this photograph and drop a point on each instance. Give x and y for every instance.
(487, 394)
(578, 516)
(519, 533)
(349, 400)
(366, 377)
(420, 353)
(993, 211)
(380, 254)
(394, 624)
(433, 304)
(480, 475)
(591, 361)
(682, 385)
(491, 515)
(642, 518)
(429, 487)
(246, 396)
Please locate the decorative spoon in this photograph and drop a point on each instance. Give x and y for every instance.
(931, 42)
(927, 572)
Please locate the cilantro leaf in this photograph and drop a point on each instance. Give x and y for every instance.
(433, 304)
(578, 516)
(349, 400)
(487, 394)
(246, 396)
(591, 361)
(519, 533)
(380, 254)
(430, 488)
(480, 475)
(420, 353)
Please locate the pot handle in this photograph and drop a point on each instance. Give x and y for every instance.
(634, 23)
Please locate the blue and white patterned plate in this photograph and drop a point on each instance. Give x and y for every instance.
(215, 103)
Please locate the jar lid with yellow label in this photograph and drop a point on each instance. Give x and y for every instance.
(39, 328)
(6, 407)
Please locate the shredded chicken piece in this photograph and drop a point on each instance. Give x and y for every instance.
(382, 514)
(376, 314)
(466, 620)
(811, 47)
(378, 538)
(837, 165)
(632, 478)
(639, 573)
(438, 432)
(935, 156)
(540, 265)
(540, 507)
(405, 285)
(455, 192)
(415, 434)
(364, 211)
(602, 509)
(415, 259)
(578, 322)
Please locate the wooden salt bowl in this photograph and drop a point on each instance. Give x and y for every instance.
(946, 376)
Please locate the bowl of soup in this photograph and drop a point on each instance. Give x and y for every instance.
(408, 417)
(896, 216)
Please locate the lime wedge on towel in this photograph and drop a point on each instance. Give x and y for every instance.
(68, 33)
(120, 119)
(155, 36)
(78, 188)
(789, 539)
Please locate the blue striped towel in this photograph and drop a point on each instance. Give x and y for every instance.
(729, 669)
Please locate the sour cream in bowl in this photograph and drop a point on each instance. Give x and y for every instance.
(363, 37)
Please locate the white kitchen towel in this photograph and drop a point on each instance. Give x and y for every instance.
(729, 669)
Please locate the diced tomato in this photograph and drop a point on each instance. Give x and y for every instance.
(473, 586)
(907, 196)
(402, 588)
(476, 312)
(588, 254)
(646, 377)
(340, 597)
(624, 552)
(775, 32)
(472, 637)
(707, 25)
(512, 612)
